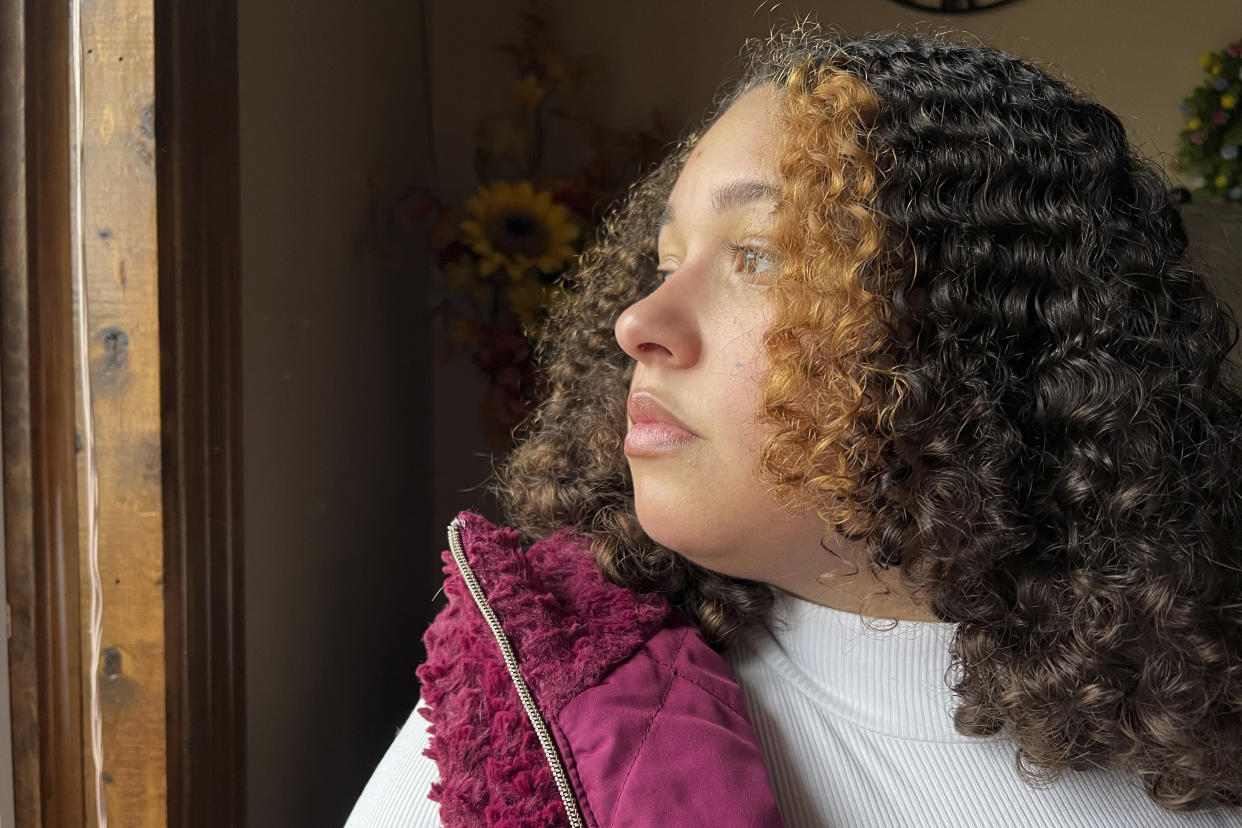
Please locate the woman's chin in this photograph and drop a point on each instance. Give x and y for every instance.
(705, 545)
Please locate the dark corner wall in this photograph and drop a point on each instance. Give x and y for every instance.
(341, 564)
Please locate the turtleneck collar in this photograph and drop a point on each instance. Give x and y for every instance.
(883, 675)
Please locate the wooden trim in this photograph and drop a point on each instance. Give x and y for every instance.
(121, 348)
(38, 386)
(14, 386)
(199, 252)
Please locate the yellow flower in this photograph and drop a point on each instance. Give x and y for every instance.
(502, 137)
(1221, 181)
(1228, 101)
(463, 278)
(527, 92)
(526, 298)
(1194, 123)
(554, 66)
(514, 227)
(1205, 60)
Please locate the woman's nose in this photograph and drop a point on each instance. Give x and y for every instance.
(660, 328)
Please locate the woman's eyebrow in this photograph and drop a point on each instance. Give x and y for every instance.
(737, 194)
(730, 196)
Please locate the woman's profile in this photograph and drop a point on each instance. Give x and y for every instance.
(887, 475)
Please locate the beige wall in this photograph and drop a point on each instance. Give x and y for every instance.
(1138, 57)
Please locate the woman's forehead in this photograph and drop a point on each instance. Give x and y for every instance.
(732, 165)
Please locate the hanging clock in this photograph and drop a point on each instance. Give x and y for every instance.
(952, 6)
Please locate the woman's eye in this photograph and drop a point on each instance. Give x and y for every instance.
(755, 261)
(752, 261)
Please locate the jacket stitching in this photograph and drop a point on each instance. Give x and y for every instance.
(671, 666)
(668, 687)
(711, 693)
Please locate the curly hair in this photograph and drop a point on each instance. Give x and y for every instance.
(994, 365)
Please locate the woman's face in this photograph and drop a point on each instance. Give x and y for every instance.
(693, 442)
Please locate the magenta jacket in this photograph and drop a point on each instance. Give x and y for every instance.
(557, 698)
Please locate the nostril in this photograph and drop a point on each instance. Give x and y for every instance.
(650, 347)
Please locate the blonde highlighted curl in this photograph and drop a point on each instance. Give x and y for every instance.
(994, 365)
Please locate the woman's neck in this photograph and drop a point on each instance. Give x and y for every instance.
(881, 594)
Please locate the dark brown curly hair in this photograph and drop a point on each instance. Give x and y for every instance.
(994, 365)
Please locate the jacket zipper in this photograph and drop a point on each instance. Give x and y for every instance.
(511, 663)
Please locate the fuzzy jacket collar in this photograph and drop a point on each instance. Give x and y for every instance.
(568, 626)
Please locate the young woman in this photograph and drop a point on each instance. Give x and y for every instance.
(896, 385)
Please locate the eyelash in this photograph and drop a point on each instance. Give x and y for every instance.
(732, 249)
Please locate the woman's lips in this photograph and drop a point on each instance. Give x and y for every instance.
(653, 430)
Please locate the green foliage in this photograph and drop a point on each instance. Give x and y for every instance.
(1209, 146)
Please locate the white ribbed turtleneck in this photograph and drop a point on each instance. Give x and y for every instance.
(855, 719)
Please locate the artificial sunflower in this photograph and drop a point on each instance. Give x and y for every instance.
(527, 92)
(516, 227)
(527, 298)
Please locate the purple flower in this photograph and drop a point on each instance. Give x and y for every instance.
(1219, 84)
(1236, 193)
(1184, 108)
(1229, 151)
(1197, 137)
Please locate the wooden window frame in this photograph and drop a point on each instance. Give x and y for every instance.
(36, 367)
(198, 192)
(199, 318)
